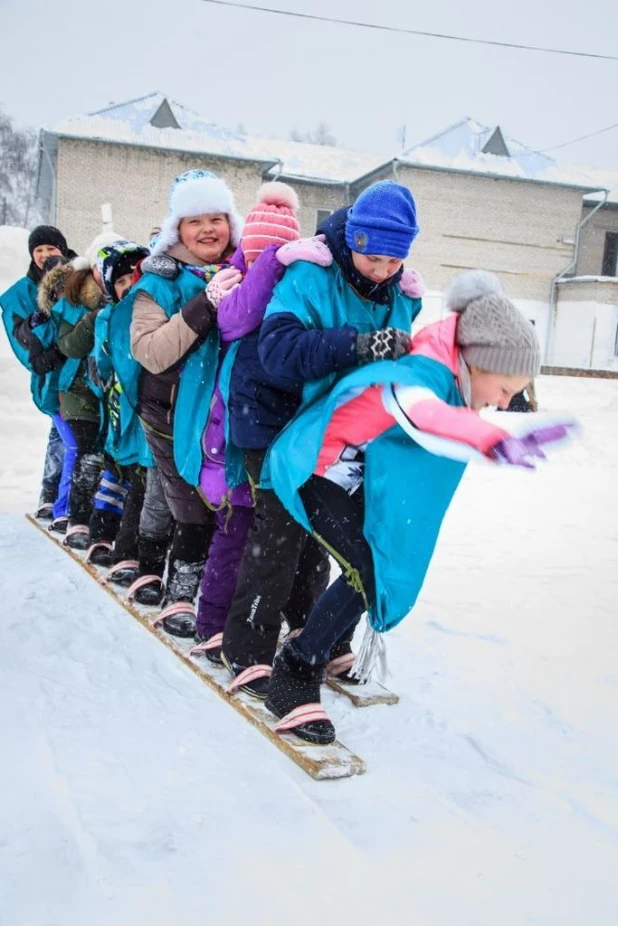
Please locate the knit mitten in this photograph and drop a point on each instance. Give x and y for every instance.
(162, 265)
(222, 285)
(313, 250)
(385, 344)
(411, 284)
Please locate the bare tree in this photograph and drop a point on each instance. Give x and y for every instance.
(321, 135)
(18, 162)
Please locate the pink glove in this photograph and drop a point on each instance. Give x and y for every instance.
(411, 284)
(313, 250)
(222, 285)
(517, 451)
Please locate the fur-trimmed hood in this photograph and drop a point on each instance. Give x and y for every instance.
(51, 287)
(53, 284)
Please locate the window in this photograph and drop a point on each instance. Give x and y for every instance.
(321, 215)
(610, 255)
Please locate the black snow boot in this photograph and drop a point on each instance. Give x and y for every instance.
(152, 556)
(77, 537)
(342, 659)
(183, 582)
(44, 510)
(295, 683)
(256, 687)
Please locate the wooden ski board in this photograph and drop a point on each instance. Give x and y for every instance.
(364, 695)
(321, 762)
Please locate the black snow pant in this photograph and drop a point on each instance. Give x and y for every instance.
(282, 573)
(86, 472)
(337, 517)
(194, 522)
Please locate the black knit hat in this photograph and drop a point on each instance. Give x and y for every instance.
(47, 234)
(116, 259)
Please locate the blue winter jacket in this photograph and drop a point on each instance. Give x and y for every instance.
(308, 337)
(18, 303)
(199, 367)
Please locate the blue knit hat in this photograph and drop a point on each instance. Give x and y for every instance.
(382, 220)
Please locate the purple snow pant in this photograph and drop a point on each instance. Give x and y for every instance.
(219, 579)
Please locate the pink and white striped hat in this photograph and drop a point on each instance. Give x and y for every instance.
(272, 220)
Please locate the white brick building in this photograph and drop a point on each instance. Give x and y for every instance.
(483, 199)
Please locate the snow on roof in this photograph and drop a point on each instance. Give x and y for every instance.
(131, 123)
(470, 146)
(605, 178)
(155, 121)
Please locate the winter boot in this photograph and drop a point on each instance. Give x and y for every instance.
(183, 582)
(253, 680)
(152, 556)
(59, 525)
(100, 554)
(44, 511)
(77, 537)
(342, 659)
(294, 697)
(123, 573)
(210, 647)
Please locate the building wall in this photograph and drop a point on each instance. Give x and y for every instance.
(136, 181)
(592, 243)
(586, 327)
(515, 229)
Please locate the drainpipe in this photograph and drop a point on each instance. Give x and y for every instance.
(52, 205)
(553, 298)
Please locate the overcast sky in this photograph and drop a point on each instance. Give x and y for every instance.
(272, 73)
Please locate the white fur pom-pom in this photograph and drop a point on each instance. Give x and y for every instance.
(278, 194)
(469, 286)
(80, 263)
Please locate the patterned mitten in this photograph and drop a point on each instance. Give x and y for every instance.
(385, 344)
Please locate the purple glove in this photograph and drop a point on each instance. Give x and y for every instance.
(313, 250)
(516, 451)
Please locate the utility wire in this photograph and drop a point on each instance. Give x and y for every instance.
(433, 35)
(566, 144)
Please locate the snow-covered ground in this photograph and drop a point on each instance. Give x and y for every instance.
(130, 794)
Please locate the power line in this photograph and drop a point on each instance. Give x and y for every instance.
(566, 144)
(432, 35)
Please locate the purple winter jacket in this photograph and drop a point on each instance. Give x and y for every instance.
(238, 314)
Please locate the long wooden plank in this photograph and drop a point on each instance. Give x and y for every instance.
(321, 762)
(365, 695)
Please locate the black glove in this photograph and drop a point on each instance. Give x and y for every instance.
(44, 360)
(384, 344)
(162, 265)
(38, 318)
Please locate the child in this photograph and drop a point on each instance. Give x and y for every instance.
(170, 380)
(347, 469)
(119, 498)
(271, 223)
(322, 321)
(19, 304)
(74, 316)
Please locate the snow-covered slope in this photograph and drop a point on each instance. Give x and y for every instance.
(130, 794)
